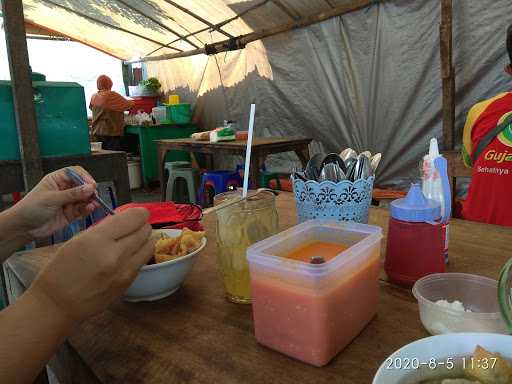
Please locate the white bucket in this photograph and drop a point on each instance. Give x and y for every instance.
(134, 174)
(96, 146)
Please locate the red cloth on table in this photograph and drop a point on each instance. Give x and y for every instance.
(170, 215)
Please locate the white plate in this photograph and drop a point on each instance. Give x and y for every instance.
(439, 348)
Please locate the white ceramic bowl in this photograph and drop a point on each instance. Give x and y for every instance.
(156, 281)
(478, 294)
(438, 348)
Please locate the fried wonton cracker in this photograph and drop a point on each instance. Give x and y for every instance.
(170, 248)
(489, 368)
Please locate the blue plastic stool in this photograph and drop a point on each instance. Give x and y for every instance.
(240, 169)
(219, 181)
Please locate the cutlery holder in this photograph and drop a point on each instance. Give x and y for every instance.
(342, 201)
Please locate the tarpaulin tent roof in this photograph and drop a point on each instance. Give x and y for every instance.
(370, 79)
(137, 28)
(35, 30)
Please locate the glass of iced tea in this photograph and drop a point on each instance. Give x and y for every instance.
(239, 226)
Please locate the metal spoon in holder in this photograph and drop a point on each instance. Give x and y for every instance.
(314, 167)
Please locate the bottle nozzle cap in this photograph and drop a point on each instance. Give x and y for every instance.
(433, 151)
(415, 207)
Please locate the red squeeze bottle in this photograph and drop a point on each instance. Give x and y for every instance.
(416, 239)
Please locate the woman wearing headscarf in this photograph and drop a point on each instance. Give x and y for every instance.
(108, 114)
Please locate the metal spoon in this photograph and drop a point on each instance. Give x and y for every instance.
(314, 166)
(362, 169)
(299, 175)
(323, 175)
(348, 153)
(367, 169)
(351, 167)
(368, 154)
(340, 175)
(335, 159)
(332, 172)
(79, 180)
(375, 161)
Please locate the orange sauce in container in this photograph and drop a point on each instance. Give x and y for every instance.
(311, 312)
(325, 250)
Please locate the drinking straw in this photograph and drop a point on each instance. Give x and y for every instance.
(248, 151)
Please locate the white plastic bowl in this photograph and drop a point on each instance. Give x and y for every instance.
(478, 294)
(438, 348)
(156, 281)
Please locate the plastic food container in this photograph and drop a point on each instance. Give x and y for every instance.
(312, 311)
(96, 146)
(477, 293)
(160, 114)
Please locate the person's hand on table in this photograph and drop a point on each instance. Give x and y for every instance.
(54, 203)
(95, 267)
(85, 275)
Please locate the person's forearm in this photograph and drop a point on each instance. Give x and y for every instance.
(31, 330)
(12, 235)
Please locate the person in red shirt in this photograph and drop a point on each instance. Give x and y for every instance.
(489, 193)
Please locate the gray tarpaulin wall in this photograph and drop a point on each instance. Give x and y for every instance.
(369, 79)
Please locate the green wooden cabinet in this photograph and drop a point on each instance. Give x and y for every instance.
(61, 120)
(147, 136)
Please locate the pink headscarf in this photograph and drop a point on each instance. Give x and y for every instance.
(107, 99)
(104, 83)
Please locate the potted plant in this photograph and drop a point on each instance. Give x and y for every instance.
(148, 87)
(152, 84)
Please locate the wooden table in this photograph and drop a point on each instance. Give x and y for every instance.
(261, 148)
(103, 166)
(196, 336)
